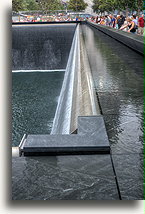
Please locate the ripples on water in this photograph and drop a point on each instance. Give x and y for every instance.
(34, 100)
(118, 79)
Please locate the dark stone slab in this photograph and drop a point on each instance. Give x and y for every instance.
(92, 125)
(87, 177)
(122, 103)
(125, 133)
(133, 41)
(129, 170)
(61, 144)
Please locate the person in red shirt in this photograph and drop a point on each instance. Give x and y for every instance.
(141, 25)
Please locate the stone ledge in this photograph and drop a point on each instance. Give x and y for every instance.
(91, 138)
(63, 144)
(93, 126)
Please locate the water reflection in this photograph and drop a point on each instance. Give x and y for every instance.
(118, 77)
(108, 66)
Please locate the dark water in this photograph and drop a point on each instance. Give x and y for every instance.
(34, 100)
(118, 78)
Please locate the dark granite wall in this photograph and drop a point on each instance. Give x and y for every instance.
(41, 47)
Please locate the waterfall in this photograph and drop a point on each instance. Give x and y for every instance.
(77, 96)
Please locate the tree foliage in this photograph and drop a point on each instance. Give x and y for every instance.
(77, 5)
(104, 5)
(32, 5)
(18, 5)
(50, 5)
(45, 5)
(110, 5)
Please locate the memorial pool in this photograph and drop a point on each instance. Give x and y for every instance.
(118, 80)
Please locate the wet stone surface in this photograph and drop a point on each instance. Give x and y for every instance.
(63, 177)
(92, 125)
(122, 103)
(125, 134)
(129, 170)
(118, 80)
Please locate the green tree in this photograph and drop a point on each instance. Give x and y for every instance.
(130, 5)
(111, 5)
(138, 5)
(104, 5)
(18, 5)
(47, 5)
(127, 4)
(32, 5)
(77, 5)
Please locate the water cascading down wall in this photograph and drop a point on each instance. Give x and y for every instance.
(50, 104)
(41, 47)
(77, 96)
(76, 99)
(36, 49)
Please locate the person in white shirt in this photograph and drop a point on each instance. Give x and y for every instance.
(134, 20)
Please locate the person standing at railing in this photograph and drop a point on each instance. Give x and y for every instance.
(107, 20)
(113, 21)
(130, 26)
(120, 21)
(141, 25)
(134, 19)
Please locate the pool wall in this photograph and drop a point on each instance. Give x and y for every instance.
(41, 47)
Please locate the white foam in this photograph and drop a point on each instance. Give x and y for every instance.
(63, 115)
(19, 71)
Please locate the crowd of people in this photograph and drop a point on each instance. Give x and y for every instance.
(133, 24)
(49, 18)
